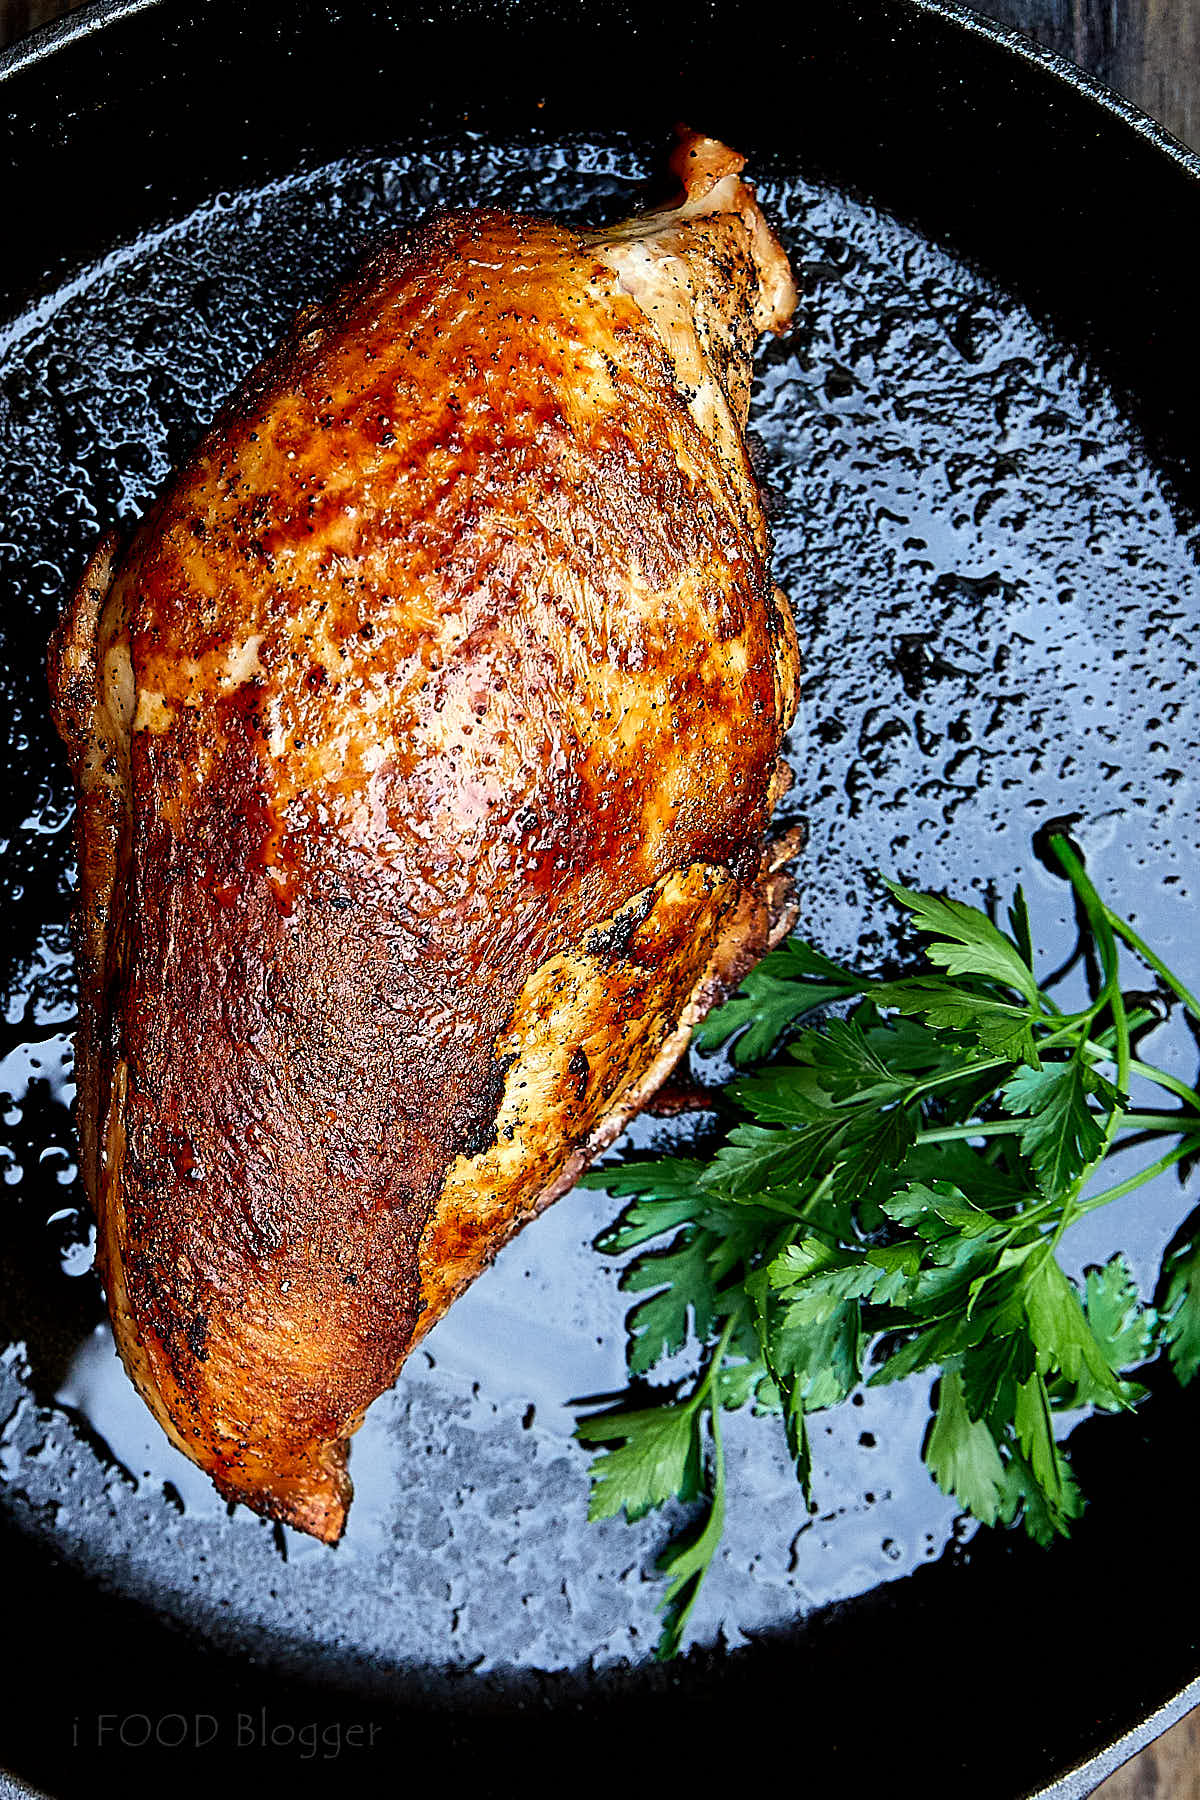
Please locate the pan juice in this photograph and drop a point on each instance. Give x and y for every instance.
(997, 609)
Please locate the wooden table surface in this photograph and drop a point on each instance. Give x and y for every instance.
(1148, 50)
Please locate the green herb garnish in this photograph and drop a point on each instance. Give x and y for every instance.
(890, 1196)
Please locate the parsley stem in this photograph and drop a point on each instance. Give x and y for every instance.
(1110, 995)
(1124, 929)
(1159, 1121)
(1098, 912)
(1187, 1148)
(718, 1499)
(983, 1128)
(705, 1385)
(814, 1200)
(1067, 1030)
(1147, 1072)
(962, 1073)
(1011, 1127)
(1141, 1016)
(945, 1134)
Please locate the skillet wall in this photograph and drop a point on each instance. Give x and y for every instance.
(1064, 203)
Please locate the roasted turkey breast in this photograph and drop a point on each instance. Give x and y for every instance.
(426, 736)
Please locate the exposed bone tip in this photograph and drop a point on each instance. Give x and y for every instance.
(701, 162)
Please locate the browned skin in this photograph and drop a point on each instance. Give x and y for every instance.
(426, 739)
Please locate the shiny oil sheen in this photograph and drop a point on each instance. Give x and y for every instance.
(997, 608)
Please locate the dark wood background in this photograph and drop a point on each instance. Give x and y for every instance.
(1149, 50)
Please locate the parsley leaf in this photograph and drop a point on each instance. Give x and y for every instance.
(961, 1453)
(687, 1560)
(1123, 1327)
(966, 942)
(650, 1457)
(1181, 1310)
(1063, 1135)
(788, 984)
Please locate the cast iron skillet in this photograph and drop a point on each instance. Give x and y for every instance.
(993, 1677)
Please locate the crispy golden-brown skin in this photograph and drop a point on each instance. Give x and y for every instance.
(426, 738)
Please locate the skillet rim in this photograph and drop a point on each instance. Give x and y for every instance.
(35, 47)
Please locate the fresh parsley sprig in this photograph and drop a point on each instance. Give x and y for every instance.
(890, 1195)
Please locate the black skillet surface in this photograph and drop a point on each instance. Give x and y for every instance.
(979, 436)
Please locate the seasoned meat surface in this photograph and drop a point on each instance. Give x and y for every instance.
(426, 737)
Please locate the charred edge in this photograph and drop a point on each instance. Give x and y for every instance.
(197, 1336)
(746, 862)
(579, 1069)
(611, 942)
(480, 1134)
